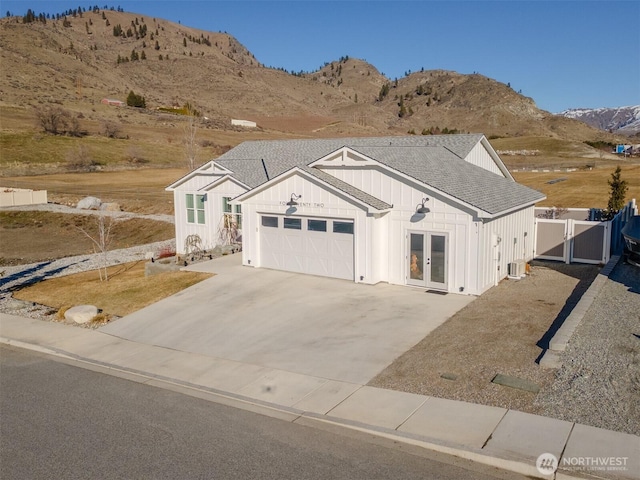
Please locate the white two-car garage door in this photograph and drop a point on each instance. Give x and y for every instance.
(315, 246)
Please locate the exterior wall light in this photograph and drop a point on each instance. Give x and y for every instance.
(420, 208)
(292, 202)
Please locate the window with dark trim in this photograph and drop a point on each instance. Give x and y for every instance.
(293, 223)
(270, 222)
(317, 225)
(343, 227)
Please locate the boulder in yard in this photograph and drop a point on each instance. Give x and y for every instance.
(81, 313)
(89, 203)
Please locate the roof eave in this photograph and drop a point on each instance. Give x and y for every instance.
(501, 213)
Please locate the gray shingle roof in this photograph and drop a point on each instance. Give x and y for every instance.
(458, 178)
(435, 160)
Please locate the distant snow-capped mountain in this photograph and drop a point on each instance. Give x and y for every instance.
(623, 120)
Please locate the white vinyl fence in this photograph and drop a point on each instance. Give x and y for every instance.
(569, 240)
(572, 241)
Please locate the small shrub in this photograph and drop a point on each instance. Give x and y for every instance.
(100, 319)
(80, 160)
(61, 312)
(166, 252)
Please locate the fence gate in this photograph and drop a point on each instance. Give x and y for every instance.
(590, 242)
(572, 241)
(551, 236)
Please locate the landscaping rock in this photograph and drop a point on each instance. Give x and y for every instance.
(89, 203)
(81, 313)
(161, 266)
(229, 249)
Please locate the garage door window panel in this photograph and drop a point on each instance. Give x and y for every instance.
(293, 223)
(271, 222)
(317, 225)
(343, 227)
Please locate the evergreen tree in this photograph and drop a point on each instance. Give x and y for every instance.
(134, 100)
(143, 56)
(403, 110)
(618, 191)
(384, 91)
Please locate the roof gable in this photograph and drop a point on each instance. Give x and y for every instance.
(369, 202)
(343, 157)
(211, 168)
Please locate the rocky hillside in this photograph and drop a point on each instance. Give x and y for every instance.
(77, 60)
(622, 120)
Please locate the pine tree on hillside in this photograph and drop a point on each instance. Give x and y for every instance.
(134, 100)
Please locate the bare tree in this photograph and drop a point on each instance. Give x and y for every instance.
(554, 213)
(73, 126)
(101, 242)
(190, 133)
(135, 156)
(79, 159)
(228, 230)
(52, 119)
(110, 129)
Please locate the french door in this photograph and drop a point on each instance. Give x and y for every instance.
(427, 259)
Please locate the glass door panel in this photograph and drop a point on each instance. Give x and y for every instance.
(437, 255)
(416, 258)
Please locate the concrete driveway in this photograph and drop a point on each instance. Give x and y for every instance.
(328, 328)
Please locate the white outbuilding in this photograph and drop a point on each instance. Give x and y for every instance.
(438, 212)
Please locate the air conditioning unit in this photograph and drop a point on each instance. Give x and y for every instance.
(517, 269)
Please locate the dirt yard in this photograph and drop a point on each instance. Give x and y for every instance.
(503, 331)
(33, 236)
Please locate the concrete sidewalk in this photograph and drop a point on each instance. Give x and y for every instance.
(506, 439)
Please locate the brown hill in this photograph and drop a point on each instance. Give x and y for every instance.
(77, 61)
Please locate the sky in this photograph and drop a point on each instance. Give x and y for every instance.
(563, 54)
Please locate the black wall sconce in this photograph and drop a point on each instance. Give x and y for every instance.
(420, 208)
(292, 202)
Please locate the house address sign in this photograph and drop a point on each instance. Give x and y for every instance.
(306, 204)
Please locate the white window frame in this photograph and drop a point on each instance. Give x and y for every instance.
(195, 208)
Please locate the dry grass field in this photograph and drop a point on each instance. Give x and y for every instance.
(139, 191)
(126, 291)
(582, 188)
(29, 237)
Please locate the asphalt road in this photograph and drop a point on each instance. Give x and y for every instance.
(65, 422)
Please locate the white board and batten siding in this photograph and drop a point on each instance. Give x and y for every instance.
(316, 203)
(207, 231)
(503, 240)
(480, 157)
(391, 230)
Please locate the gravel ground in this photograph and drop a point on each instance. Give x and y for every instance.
(599, 381)
(16, 277)
(55, 207)
(501, 332)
